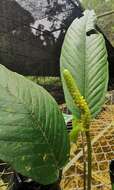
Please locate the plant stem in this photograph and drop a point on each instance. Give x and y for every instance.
(84, 160)
(106, 14)
(89, 153)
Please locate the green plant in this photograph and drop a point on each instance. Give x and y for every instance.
(33, 136)
(84, 73)
(43, 81)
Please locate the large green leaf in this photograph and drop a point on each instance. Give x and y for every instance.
(84, 55)
(33, 136)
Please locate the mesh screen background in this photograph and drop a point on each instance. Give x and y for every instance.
(32, 32)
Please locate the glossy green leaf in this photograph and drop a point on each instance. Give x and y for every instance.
(84, 55)
(33, 136)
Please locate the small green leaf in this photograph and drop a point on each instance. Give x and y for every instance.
(74, 133)
(67, 117)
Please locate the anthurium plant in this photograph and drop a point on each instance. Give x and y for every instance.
(33, 135)
(84, 73)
